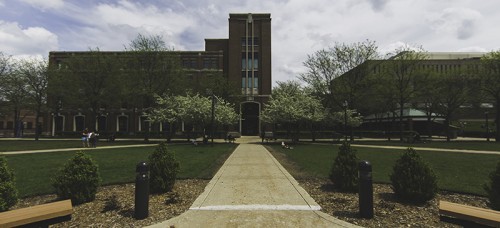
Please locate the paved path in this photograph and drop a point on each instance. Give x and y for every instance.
(252, 189)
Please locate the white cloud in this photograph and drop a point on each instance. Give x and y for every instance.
(15, 40)
(459, 22)
(45, 4)
(114, 25)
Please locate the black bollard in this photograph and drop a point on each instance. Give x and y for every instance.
(141, 191)
(365, 190)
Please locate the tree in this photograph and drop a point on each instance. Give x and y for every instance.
(4, 68)
(35, 74)
(490, 81)
(194, 109)
(153, 68)
(290, 105)
(86, 81)
(14, 92)
(453, 92)
(429, 97)
(327, 65)
(404, 78)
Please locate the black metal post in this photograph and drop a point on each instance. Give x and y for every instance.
(365, 190)
(487, 127)
(141, 209)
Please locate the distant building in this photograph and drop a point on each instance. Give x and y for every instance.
(244, 59)
(414, 116)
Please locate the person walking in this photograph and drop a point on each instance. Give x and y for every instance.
(85, 137)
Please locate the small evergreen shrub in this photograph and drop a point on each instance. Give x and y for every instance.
(493, 189)
(78, 180)
(344, 172)
(8, 191)
(163, 169)
(412, 179)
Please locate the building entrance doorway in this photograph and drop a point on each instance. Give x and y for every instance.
(250, 118)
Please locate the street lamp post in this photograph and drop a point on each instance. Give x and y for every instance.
(487, 127)
(345, 104)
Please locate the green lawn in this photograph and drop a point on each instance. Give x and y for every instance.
(455, 171)
(468, 145)
(33, 172)
(18, 145)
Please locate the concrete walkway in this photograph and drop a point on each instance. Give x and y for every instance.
(252, 189)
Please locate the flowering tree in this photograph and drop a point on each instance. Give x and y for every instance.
(194, 109)
(290, 104)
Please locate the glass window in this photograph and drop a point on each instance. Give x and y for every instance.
(122, 123)
(79, 123)
(243, 80)
(10, 125)
(256, 83)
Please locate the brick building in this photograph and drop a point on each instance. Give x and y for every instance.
(244, 59)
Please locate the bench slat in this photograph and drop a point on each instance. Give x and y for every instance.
(36, 213)
(470, 213)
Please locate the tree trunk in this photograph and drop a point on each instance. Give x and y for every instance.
(497, 121)
(37, 125)
(401, 127)
(447, 123)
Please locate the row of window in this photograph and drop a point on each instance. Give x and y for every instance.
(207, 63)
(249, 60)
(251, 42)
(441, 68)
(9, 125)
(122, 123)
(248, 83)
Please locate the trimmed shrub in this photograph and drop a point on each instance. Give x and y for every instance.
(412, 179)
(78, 180)
(163, 169)
(344, 172)
(493, 189)
(8, 191)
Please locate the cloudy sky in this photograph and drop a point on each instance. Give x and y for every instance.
(299, 27)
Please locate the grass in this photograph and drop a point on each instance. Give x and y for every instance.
(457, 172)
(19, 145)
(467, 145)
(34, 172)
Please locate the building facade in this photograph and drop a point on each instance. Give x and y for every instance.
(244, 59)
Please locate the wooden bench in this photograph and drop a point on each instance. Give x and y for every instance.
(38, 216)
(469, 213)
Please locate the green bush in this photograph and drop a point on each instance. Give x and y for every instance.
(78, 180)
(344, 172)
(493, 189)
(8, 191)
(163, 169)
(412, 179)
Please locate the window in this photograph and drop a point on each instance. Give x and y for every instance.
(255, 41)
(10, 125)
(1, 124)
(122, 124)
(144, 124)
(246, 60)
(79, 123)
(244, 83)
(210, 63)
(29, 125)
(190, 63)
(101, 123)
